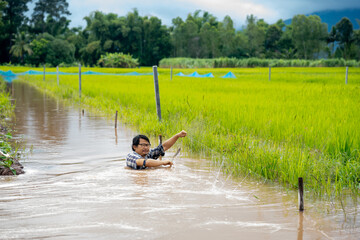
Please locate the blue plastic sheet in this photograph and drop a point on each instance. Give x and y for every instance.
(229, 75)
(195, 74)
(9, 75)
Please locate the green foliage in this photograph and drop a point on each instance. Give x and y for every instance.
(49, 16)
(156, 42)
(253, 62)
(144, 38)
(21, 46)
(308, 35)
(187, 63)
(343, 34)
(91, 53)
(5, 148)
(78, 39)
(200, 36)
(6, 108)
(40, 49)
(14, 20)
(117, 60)
(60, 51)
(272, 41)
(203, 36)
(255, 32)
(2, 7)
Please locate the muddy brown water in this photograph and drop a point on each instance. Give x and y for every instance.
(76, 187)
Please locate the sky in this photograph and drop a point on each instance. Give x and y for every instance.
(166, 10)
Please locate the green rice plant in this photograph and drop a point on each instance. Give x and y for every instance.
(6, 109)
(301, 123)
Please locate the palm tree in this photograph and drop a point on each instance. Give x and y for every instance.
(21, 46)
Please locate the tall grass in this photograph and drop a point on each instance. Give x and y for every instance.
(302, 123)
(8, 151)
(253, 62)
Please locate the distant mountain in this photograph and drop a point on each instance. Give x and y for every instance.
(331, 17)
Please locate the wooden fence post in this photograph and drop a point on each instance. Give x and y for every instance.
(346, 75)
(269, 73)
(116, 114)
(157, 94)
(79, 80)
(160, 142)
(57, 75)
(301, 194)
(171, 73)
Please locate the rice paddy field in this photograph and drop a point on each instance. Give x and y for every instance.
(304, 122)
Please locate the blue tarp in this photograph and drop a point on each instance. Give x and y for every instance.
(180, 74)
(229, 75)
(91, 73)
(194, 74)
(9, 75)
(209, 75)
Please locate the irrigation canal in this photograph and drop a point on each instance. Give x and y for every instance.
(76, 187)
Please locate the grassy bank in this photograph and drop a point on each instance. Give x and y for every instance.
(9, 165)
(302, 123)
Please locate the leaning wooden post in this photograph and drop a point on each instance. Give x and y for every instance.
(269, 73)
(57, 75)
(79, 80)
(157, 94)
(346, 75)
(301, 194)
(44, 73)
(160, 142)
(171, 73)
(116, 118)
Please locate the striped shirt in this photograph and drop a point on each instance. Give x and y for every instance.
(153, 154)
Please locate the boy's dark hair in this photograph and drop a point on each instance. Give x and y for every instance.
(136, 140)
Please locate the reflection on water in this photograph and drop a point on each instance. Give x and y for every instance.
(300, 226)
(43, 116)
(76, 186)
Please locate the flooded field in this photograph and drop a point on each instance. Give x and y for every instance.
(76, 186)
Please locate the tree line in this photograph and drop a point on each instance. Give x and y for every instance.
(46, 38)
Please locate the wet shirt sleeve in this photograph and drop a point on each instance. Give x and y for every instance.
(155, 153)
(131, 160)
